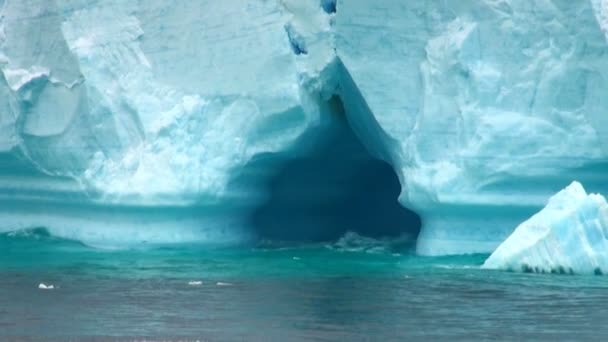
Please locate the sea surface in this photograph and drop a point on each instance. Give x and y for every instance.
(355, 289)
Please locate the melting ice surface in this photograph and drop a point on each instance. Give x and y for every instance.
(569, 235)
(132, 122)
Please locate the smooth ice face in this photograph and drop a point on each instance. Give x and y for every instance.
(569, 235)
(133, 120)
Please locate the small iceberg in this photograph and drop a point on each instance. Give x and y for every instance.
(43, 286)
(195, 283)
(569, 235)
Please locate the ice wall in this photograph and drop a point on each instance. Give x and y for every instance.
(488, 107)
(146, 104)
(484, 108)
(158, 114)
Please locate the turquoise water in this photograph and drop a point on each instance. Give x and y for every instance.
(352, 290)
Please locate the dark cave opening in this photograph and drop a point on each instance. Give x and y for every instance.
(333, 187)
(329, 6)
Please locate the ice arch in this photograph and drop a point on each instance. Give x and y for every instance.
(330, 185)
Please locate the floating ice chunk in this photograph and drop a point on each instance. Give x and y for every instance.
(219, 283)
(195, 283)
(43, 286)
(353, 242)
(570, 235)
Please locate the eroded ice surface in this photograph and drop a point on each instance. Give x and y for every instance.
(144, 121)
(490, 106)
(569, 235)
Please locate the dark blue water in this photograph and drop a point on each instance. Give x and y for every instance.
(348, 291)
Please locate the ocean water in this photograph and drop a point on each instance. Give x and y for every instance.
(353, 290)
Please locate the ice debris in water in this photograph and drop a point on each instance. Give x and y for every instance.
(569, 235)
(353, 242)
(219, 283)
(43, 286)
(195, 283)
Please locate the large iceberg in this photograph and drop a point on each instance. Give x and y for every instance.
(569, 235)
(129, 121)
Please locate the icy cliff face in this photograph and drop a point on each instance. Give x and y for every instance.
(488, 106)
(154, 114)
(110, 108)
(569, 235)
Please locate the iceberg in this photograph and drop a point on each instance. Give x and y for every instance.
(569, 235)
(156, 122)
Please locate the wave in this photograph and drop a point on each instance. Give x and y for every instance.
(38, 234)
(35, 240)
(32, 233)
(350, 242)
